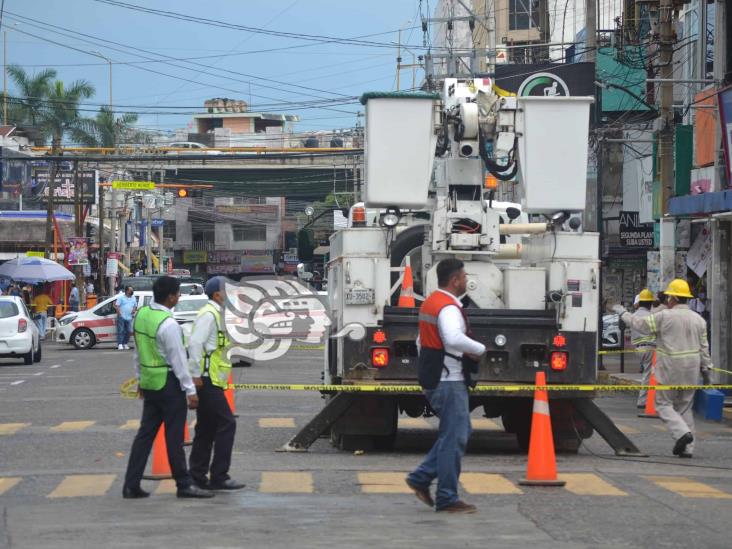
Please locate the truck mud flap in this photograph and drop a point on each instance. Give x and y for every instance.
(321, 423)
(617, 440)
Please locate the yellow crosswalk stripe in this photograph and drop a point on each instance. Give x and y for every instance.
(383, 483)
(485, 423)
(589, 484)
(414, 423)
(488, 483)
(284, 482)
(6, 483)
(82, 486)
(12, 428)
(69, 426)
(688, 488)
(627, 429)
(166, 486)
(276, 422)
(130, 425)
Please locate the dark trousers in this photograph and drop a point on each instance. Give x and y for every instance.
(215, 430)
(169, 405)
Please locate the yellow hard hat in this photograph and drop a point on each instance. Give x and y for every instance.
(679, 288)
(646, 295)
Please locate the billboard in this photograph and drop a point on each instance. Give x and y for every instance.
(64, 186)
(546, 79)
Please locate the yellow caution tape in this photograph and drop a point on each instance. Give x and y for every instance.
(478, 389)
(721, 370)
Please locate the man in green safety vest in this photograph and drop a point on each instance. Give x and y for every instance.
(215, 423)
(167, 390)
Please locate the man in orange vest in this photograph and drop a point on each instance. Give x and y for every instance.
(445, 350)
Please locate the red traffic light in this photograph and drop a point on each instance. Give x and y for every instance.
(182, 193)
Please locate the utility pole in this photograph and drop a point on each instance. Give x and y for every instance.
(666, 133)
(590, 30)
(399, 58)
(101, 262)
(5, 77)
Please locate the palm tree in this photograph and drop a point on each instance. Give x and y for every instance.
(107, 131)
(58, 118)
(32, 90)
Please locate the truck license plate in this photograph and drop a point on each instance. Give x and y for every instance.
(359, 297)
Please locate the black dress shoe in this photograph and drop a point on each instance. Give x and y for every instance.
(682, 443)
(134, 493)
(202, 484)
(194, 491)
(228, 484)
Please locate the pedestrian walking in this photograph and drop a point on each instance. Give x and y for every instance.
(645, 345)
(41, 303)
(74, 298)
(166, 388)
(445, 350)
(125, 305)
(215, 423)
(682, 355)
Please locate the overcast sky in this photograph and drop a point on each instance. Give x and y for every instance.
(332, 71)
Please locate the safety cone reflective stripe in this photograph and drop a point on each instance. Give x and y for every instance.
(542, 467)
(229, 394)
(406, 295)
(160, 464)
(650, 410)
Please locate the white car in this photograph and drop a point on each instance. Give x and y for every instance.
(19, 335)
(85, 329)
(189, 147)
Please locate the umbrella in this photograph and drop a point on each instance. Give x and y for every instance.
(35, 270)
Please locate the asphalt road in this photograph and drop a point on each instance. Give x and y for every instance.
(65, 434)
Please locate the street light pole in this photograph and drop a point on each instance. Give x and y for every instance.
(113, 205)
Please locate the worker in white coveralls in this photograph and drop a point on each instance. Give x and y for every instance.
(682, 354)
(644, 344)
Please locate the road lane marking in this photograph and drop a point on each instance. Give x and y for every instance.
(130, 425)
(12, 428)
(69, 426)
(39, 373)
(414, 423)
(82, 486)
(627, 429)
(17, 382)
(383, 483)
(69, 360)
(485, 423)
(166, 486)
(688, 488)
(55, 366)
(276, 422)
(488, 483)
(273, 482)
(7, 483)
(589, 484)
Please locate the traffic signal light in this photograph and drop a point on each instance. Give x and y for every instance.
(182, 193)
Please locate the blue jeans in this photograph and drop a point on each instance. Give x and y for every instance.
(449, 400)
(124, 329)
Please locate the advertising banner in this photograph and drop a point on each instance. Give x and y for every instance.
(195, 256)
(64, 186)
(113, 263)
(634, 234)
(78, 251)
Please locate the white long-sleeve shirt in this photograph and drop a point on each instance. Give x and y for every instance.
(170, 346)
(451, 325)
(203, 340)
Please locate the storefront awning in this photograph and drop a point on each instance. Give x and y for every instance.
(700, 204)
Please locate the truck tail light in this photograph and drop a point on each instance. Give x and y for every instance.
(559, 341)
(379, 337)
(559, 361)
(379, 357)
(22, 325)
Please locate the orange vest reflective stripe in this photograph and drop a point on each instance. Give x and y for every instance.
(429, 334)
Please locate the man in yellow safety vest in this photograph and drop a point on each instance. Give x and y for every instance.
(644, 344)
(215, 423)
(682, 355)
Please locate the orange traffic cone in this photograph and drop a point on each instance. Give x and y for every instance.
(160, 464)
(229, 394)
(650, 410)
(186, 434)
(406, 295)
(542, 466)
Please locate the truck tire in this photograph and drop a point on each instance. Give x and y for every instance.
(405, 242)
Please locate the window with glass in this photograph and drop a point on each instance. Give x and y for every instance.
(523, 14)
(249, 232)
